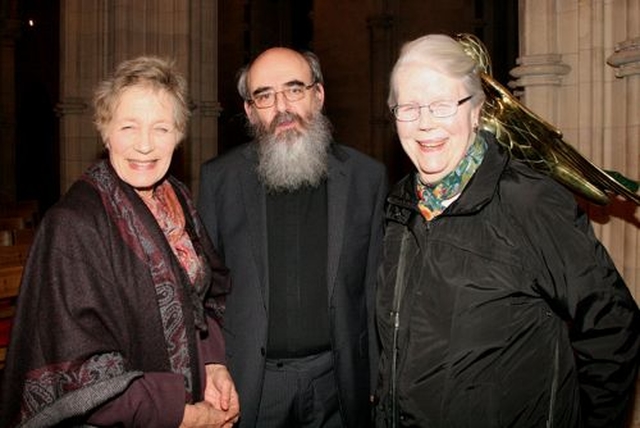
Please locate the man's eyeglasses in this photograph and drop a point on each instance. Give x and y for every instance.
(438, 109)
(292, 93)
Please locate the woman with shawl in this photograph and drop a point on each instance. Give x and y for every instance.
(119, 312)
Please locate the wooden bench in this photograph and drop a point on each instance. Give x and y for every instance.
(14, 255)
(10, 277)
(6, 237)
(12, 223)
(23, 236)
(28, 210)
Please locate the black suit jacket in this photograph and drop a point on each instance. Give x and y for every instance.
(233, 207)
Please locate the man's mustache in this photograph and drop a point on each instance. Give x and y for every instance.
(284, 117)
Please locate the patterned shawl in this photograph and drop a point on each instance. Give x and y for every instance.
(112, 299)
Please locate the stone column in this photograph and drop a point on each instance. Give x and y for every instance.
(564, 77)
(9, 32)
(83, 59)
(625, 130)
(203, 141)
(381, 49)
(540, 67)
(580, 69)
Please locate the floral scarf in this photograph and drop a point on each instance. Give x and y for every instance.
(433, 198)
(165, 207)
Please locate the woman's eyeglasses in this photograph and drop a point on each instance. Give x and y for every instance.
(438, 109)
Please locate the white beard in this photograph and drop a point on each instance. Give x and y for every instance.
(294, 159)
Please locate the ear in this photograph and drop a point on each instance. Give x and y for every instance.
(319, 94)
(475, 115)
(247, 109)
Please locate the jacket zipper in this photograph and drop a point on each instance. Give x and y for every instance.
(554, 385)
(398, 292)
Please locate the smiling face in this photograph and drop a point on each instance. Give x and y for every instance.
(435, 145)
(142, 137)
(274, 70)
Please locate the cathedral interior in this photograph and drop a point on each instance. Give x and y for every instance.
(574, 62)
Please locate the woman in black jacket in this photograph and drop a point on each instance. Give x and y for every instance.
(497, 306)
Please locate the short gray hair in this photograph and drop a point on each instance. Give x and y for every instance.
(150, 71)
(443, 54)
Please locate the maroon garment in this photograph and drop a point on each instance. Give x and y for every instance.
(157, 399)
(107, 316)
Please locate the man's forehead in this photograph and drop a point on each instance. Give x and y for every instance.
(278, 67)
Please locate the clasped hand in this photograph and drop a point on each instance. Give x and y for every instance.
(220, 407)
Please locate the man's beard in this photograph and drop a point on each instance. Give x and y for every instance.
(294, 158)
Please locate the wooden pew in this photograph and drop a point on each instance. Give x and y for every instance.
(6, 237)
(10, 277)
(28, 210)
(14, 255)
(12, 223)
(23, 236)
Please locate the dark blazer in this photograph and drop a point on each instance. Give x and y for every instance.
(233, 207)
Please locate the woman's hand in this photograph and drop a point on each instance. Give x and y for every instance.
(203, 414)
(220, 390)
(221, 406)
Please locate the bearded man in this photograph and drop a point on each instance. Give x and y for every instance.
(298, 220)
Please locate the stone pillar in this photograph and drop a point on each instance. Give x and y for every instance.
(540, 67)
(565, 78)
(82, 59)
(9, 32)
(580, 69)
(381, 51)
(96, 35)
(203, 81)
(622, 135)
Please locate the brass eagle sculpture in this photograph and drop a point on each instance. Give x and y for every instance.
(531, 139)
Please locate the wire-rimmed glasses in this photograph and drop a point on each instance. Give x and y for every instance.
(292, 93)
(438, 109)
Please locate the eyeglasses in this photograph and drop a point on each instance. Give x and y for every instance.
(292, 93)
(438, 109)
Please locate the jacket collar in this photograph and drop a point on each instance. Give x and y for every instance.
(254, 194)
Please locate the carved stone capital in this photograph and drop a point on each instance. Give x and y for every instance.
(539, 70)
(626, 58)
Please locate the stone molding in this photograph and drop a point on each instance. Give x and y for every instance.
(626, 58)
(539, 70)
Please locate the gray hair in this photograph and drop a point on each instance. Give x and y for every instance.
(444, 55)
(145, 71)
(311, 58)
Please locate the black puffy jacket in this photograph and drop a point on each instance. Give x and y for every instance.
(512, 313)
